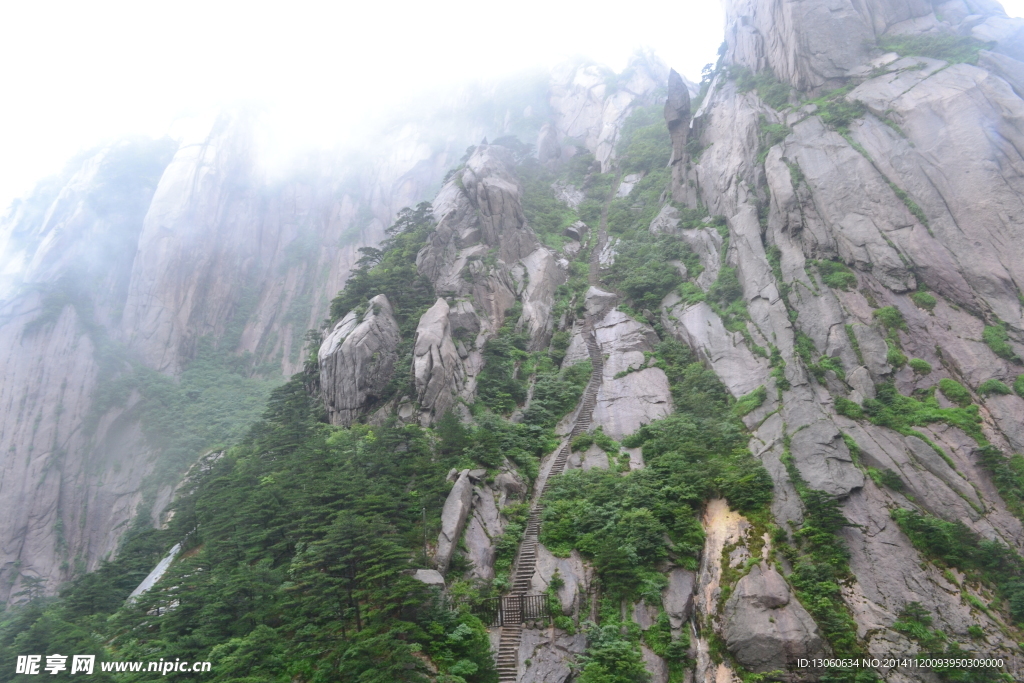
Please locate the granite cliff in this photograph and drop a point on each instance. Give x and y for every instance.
(730, 374)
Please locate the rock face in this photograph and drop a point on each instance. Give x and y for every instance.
(479, 213)
(155, 250)
(912, 194)
(640, 396)
(357, 360)
(677, 598)
(453, 519)
(765, 627)
(587, 108)
(436, 364)
(549, 658)
(482, 531)
(809, 44)
(823, 223)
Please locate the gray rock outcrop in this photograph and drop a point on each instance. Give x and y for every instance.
(543, 659)
(357, 360)
(586, 108)
(824, 460)
(431, 577)
(677, 114)
(764, 625)
(906, 198)
(677, 598)
(454, 514)
(642, 395)
(483, 528)
(437, 370)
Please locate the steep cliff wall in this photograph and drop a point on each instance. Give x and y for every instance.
(875, 223)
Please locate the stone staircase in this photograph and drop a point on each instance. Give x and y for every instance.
(526, 559)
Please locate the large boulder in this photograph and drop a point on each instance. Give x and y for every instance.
(576, 578)
(480, 206)
(453, 519)
(437, 370)
(547, 658)
(677, 113)
(764, 627)
(483, 528)
(543, 276)
(357, 360)
(677, 597)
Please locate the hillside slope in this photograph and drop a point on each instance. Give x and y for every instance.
(706, 381)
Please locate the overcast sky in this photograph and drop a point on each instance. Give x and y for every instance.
(77, 74)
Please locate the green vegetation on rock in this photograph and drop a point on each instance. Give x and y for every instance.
(924, 300)
(545, 213)
(886, 477)
(915, 622)
(821, 565)
(891, 318)
(892, 409)
(994, 387)
(954, 49)
(1007, 474)
(500, 386)
(952, 544)
(771, 135)
(391, 270)
(836, 111)
(998, 340)
(750, 402)
(772, 92)
(955, 392)
(629, 523)
(643, 268)
(836, 275)
(920, 367)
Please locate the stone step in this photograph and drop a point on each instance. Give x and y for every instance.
(526, 560)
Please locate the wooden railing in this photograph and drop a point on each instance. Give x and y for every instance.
(512, 609)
